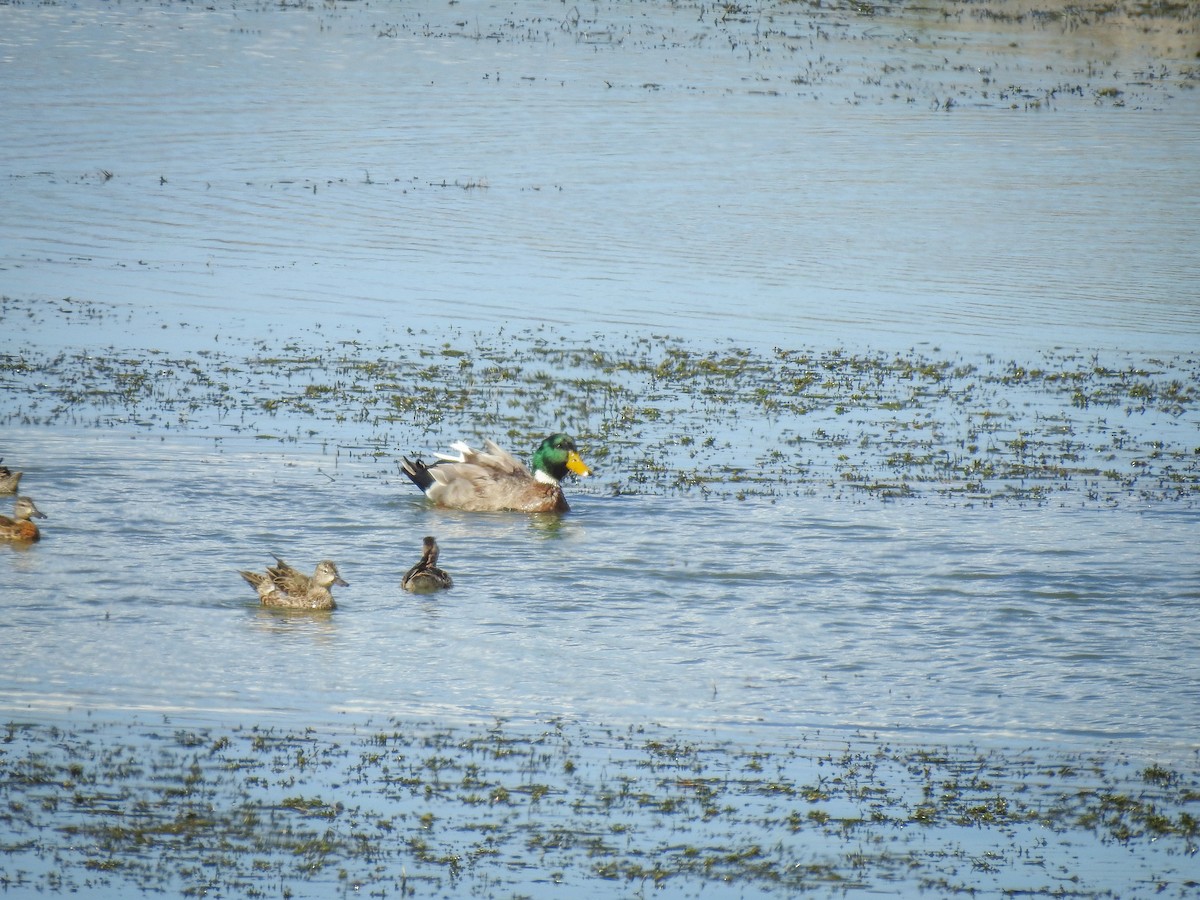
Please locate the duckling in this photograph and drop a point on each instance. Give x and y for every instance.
(492, 479)
(20, 527)
(9, 479)
(425, 577)
(283, 586)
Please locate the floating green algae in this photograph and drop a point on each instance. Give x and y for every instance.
(411, 809)
(661, 415)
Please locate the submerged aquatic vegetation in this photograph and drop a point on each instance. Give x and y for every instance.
(476, 810)
(661, 415)
(983, 72)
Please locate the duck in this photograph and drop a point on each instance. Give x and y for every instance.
(425, 577)
(288, 588)
(9, 479)
(492, 479)
(21, 527)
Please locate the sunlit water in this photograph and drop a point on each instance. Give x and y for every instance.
(792, 177)
(645, 166)
(1026, 623)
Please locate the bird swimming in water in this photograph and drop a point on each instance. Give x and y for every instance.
(8, 479)
(425, 577)
(493, 479)
(21, 527)
(287, 588)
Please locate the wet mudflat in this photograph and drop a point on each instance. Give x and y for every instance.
(878, 326)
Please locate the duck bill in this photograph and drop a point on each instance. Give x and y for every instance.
(341, 581)
(576, 465)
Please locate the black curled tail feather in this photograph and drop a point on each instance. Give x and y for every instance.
(417, 472)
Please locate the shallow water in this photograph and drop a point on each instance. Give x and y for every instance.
(650, 166)
(891, 400)
(1030, 623)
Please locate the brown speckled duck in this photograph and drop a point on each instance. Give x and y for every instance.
(21, 527)
(8, 479)
(492, 478)
(425, 577)
(285, 587)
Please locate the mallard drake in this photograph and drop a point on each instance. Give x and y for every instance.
(492, 478)
(425, 577)
(19, 527)
(284, 586)
(8, 479)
